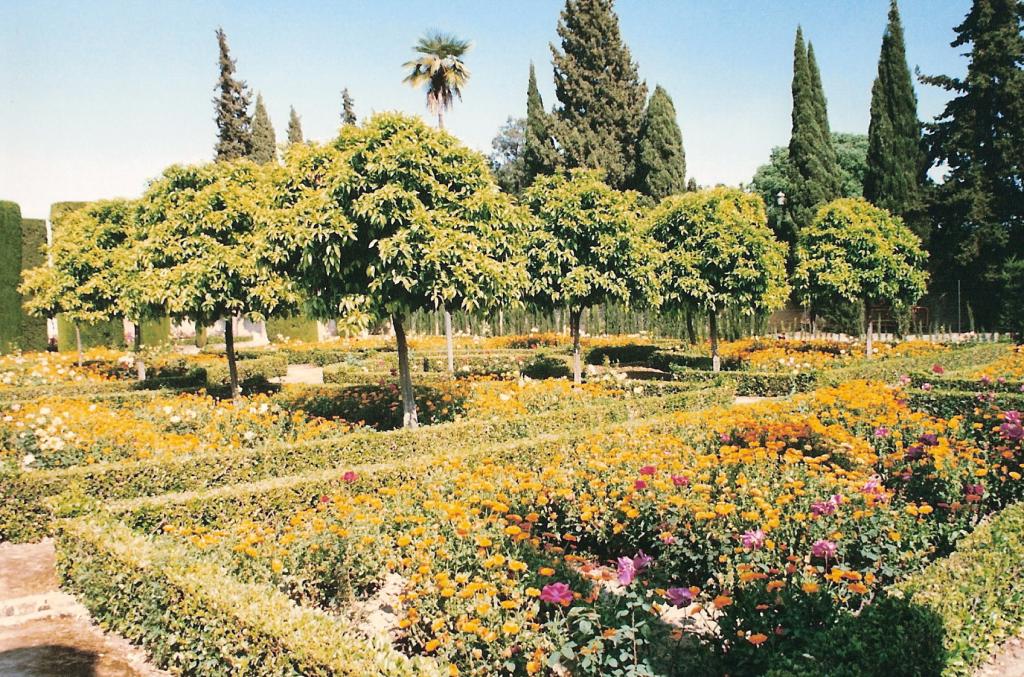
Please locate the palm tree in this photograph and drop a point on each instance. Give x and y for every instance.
(440, 69)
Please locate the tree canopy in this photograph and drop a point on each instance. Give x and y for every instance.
(661, 160)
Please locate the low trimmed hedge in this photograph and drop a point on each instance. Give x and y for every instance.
(25, 516)
(759, 384)
(967, 384)
(195, 620)
(948, 403)
(632, 353)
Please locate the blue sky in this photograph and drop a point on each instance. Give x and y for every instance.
(96, 98)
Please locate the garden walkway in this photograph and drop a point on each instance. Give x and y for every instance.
(46, 633)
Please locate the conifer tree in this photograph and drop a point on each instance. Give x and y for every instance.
(978, 209)
(348, 108)
(294, 127)
(539, 153)
(234, 133)
(827, 150)
(264, 142)
(599, 88)
(661, 160)
(894, 176)
(813, 170)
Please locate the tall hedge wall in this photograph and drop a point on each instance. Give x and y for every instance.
(298, 328)
(33, 254)
(10, 274)
(110, 334)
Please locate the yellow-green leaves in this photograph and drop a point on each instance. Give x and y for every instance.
(854, 251)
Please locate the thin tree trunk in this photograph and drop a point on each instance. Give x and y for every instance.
(449, 342)
(716, 363)
(501, 322)
(140, 365)
(691, 332)
(78, 343)
(574, 329)
(870, 328)
(409, 419)
(440, 117)
(229, 348)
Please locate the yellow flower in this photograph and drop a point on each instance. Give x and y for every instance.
(510, 628)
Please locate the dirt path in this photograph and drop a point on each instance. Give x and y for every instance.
(302, 373)
(1008, 661)
(45, 632)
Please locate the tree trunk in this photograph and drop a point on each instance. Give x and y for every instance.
(574, 329)
(140, 365)
(404, 375)
(78, 343)
(449, 342)
(440, 117)
(501, 322)
(716, 363)
(691, 332)
(870, 328)
(229, 348)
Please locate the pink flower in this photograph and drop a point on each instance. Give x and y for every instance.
(823, 549)
(639, 485)
(926, 386)
(725, 437)
(648, 470)
(753, 540)
(629, 567)
(881, 431)
(828, 507)
(325, 499)
(557, 593)
(679, 596)
(349, 476)
(938, 369)
(1011, 429)
(680, 480)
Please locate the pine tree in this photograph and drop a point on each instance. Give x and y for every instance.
(294, 127)
(661, 160)
(978, 209)
(598, 86)
(234, 134)
(895, 164)
(813, 170)
(348, 108)
(264, 142)
(539, 153)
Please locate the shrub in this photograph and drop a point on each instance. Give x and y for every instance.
(635, 353)
(10, 276)
(545, 365)
(33, 254)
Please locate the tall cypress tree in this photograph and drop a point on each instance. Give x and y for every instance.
(294, 126)
(599, 88)
(978, 209)
(234, 133)
(264, 142)
(827, 150)
(894, 176)
(539, 153)
(661, 160)
(812, 165)
(348, 108)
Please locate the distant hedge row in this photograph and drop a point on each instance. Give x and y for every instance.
(10, 272)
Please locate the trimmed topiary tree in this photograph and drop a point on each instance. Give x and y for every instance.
(10, 269)
(586, 248)
(854, 251)
(34, 334)
(719, 253)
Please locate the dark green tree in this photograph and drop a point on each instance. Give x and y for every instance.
(599, 88)
(661, 160)
(978, 209)
(348, 108)
(234, 126)
(812, 159)
(894, 178)
(294, 127)
(539, 153)
(264, 142)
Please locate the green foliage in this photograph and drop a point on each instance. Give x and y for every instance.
(33, 254)
(264, 143)
(348, 108)
(719, 252)
(156, 331)
(813, 172)
(661, 160)
(507, 157)
(539, 153)
(599, 88)
(587, 247)
(401, 213)
(294, 127)
(10, 269)
(109, 334)
(895, 161)
(545, 365)
(234, 126)
(296, 328)
(854, 251)
(1013, 297)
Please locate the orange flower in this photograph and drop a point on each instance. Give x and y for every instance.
(757, 639)
(722, 601)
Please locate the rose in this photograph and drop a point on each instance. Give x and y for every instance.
(824, 549)
(753, 540)
(557, 593)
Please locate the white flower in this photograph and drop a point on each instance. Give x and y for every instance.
(45, 411)
(175, 419)
(249, 436)
(28, 460)
(168, 409)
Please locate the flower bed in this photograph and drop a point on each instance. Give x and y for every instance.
(729, 541)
